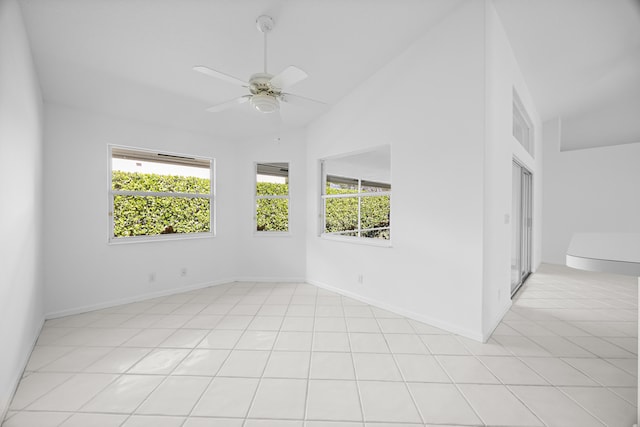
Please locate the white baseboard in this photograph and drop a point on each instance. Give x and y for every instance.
(474, 335)
(13, 385)
(478, 336)
(137, 298)
(167, 292)
(270, 279)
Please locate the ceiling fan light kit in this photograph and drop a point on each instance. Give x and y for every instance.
(265, 103)
(266, 90)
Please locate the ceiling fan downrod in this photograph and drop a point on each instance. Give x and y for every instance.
(265, 24)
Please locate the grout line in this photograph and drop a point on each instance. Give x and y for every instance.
(214, 376)
(255, 393)
(397, 365)
(353, 366)
(313, 337)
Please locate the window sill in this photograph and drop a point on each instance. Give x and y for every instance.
(367, 241)
(159, 238)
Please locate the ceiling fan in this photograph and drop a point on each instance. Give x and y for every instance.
(266, 90)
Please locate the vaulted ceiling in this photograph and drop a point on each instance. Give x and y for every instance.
(581, 58)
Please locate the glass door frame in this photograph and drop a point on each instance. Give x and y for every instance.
(525, 221)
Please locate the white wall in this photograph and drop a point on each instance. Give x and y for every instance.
(590, 190)
(264, 256)
(502, 76)
(21, 290)
(428, 105)
(82, 270)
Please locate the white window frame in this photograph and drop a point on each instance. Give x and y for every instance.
(337, 235)
(522, 120)
(256, 197)
(161, 237)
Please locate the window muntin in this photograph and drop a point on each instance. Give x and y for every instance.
(356, 195)
(272, 202)
(522, 128)
(156, 194)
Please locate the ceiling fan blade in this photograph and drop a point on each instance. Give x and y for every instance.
(219, 75)
(300, 100)
(288, 77)
(229, 104)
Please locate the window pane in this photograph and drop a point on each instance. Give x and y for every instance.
(149, 215)
(341, 214)
(375, 213)
(522, 126)
(272, 179)
(376, 234)
(341, 185)
(136, 181)
(354, 204)
(271, 188)
(374, 187)
(272, 215)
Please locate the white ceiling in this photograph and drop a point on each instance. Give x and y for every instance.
(134, 58)
(581, 61)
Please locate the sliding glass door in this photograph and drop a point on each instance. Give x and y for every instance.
(521, 226)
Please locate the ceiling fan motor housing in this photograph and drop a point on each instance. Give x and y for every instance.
(260, 83)
(264, 97)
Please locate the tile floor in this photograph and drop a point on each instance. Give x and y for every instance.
(293, 355)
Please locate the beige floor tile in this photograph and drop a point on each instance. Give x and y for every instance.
(442, 404)
(280, 399)
(72, 394)
(497, 406)
(604, 405)
(334, 366)
(35, 386)
(387, 402)
(202, 362)
(175, 396)
(288, 364)
(94, 420)
(123, 395)
(553, 407)
(227, 397)
(333, 400)
(153, 421)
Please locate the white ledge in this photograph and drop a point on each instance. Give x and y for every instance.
(617, 253)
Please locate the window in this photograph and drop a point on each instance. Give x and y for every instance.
(159, 194)
(356, 195)
(272, 197)
(522, 127)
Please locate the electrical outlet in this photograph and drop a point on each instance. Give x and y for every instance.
(183, 272)
(361, 279)
(152, 277)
